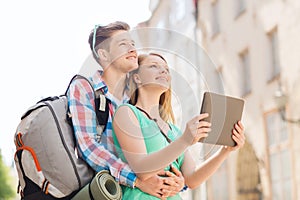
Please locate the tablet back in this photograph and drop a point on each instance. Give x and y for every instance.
(224, 112)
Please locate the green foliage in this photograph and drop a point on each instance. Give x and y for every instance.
(6, 191)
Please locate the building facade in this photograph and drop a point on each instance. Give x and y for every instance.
(255, 47)
(247, 49)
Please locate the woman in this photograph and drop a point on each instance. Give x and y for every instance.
(146, 138)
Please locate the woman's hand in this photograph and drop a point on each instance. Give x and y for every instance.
(238, 136)
(196, 129)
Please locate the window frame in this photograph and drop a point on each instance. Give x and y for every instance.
(274, 66)
(245, 69)
(278, 148)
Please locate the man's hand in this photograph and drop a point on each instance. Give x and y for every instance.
(153, 186)
(174, 180)
(162, 187)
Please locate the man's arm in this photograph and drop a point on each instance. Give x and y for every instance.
(81, 104)
(82, 108)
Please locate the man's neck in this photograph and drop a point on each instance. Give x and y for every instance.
(115, 82)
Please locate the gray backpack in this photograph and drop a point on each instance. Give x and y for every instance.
(46, 159)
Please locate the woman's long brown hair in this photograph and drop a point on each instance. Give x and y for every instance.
(165, 105)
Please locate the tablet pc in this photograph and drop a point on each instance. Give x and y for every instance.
(224, 111)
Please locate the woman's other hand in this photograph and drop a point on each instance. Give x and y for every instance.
(238, 136)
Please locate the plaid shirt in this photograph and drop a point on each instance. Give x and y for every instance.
(100, 156)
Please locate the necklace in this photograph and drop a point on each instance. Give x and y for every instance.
(155, 120)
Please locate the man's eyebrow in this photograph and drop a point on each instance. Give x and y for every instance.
(125, 40)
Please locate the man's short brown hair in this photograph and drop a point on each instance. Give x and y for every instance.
(103, 33)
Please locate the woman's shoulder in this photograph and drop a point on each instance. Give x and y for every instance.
(127, 108)
(130, 112)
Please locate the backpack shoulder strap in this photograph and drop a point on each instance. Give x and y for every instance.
(101, 104)
(78, 76)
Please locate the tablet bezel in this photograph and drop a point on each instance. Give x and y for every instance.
(224, 111)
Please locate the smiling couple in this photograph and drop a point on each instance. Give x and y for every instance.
(141, 147)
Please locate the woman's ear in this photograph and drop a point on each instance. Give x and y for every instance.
(136, 78)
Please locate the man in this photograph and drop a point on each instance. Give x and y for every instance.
(114, 50)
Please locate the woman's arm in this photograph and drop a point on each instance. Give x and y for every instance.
(130, 137)
(194, 177)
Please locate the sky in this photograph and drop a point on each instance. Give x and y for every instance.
(42, 45)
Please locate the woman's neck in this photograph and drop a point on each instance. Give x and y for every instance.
(115, 82)
(149, 102)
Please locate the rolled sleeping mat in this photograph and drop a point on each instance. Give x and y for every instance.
(102, 187)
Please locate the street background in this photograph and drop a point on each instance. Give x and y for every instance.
(248, 49)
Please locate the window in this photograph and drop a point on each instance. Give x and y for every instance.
(281, 177)
(240, 7)
(178, 11)
(245, 73)
(219, 76)
(276, 129)
(215, 18)
(274, 66)
(280, 157)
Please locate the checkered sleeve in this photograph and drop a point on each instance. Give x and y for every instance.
(82, 108)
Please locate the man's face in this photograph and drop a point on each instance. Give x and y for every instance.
(122, 52)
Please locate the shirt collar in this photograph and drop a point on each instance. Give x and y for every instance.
(99, 84)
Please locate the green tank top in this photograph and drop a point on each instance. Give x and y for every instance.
(154, 141)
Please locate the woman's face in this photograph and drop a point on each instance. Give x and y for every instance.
(154, 72)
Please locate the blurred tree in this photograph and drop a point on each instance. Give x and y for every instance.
(6, 191)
